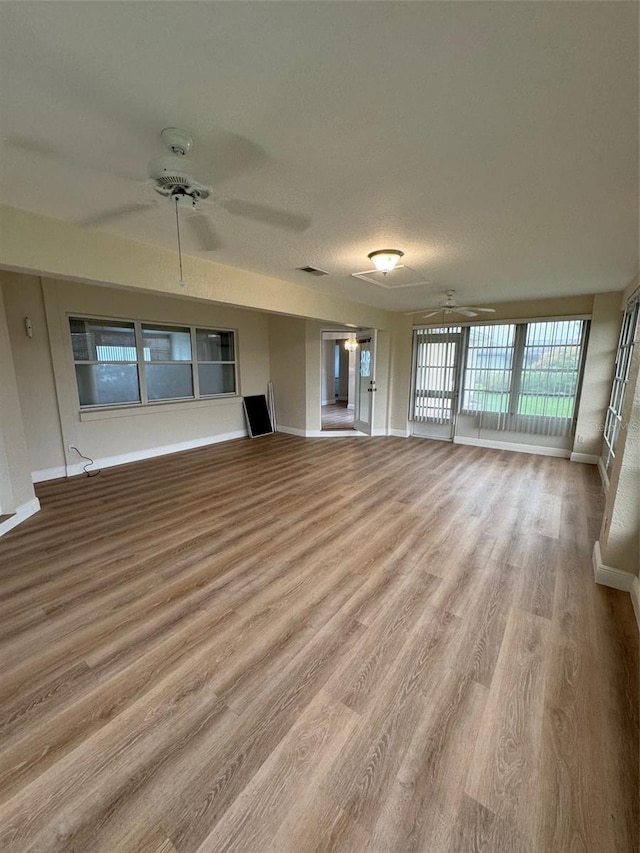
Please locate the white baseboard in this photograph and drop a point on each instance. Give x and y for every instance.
(48, 474)
(335, 433)
(319, 433)
(152, 452)
(21, 514)
(603, 475)
(291, 430)
(400, 433)
(517, 448)
(608, 575)
(586, 458)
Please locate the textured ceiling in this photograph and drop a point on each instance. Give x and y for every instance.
(496, 144)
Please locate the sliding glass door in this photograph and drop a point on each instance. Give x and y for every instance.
(436, 381)
(503, 382)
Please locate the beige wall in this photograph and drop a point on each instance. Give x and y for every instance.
(51, 247)
(313, 374)
(400, 372)
(16, 488)
(287, 345)
(34, 370)
(50, 409)
(598, 373)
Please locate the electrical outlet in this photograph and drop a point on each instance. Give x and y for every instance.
(70, 447)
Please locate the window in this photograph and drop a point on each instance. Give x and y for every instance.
(489, 369)
(550, 369)
(522, 377)
(106, 362)
(120, 362)
(613, 420)
(168, 368)
(435, 373)
(216, 362)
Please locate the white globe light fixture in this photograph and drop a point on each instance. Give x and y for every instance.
(385, 259)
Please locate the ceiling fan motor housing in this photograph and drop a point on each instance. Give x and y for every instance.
(172, 175)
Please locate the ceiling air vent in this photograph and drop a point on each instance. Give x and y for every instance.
(313, 271)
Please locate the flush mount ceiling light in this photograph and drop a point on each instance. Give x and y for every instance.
(385, 259)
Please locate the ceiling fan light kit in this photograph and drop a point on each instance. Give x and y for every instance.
(385, 260)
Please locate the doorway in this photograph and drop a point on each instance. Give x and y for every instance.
(338, 381)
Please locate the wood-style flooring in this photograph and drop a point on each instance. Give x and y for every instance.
(337, 416)
(288, 645)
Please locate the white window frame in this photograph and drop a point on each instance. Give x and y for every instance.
(516, 362)
(624, 353)
(140, 362)
(510, 419)
(452, 335)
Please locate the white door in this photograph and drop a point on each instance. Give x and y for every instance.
(365, 380)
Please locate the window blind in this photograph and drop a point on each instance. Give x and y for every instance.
(515, 377)
(435, 374)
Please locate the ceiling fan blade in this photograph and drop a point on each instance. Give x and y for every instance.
(116, 213)
(464, 311)
(33, 146)
(485, 310)
(203, 231)
(432, 314)
(226, 154)
(267, 215)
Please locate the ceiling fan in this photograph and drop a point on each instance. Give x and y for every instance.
(451, 307)
(172, 176)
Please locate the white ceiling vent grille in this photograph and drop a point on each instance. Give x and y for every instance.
(313, 271)
(400, 276)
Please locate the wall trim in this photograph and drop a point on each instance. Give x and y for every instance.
(603, 475)
(48, 474)
(586, 458)
(608, 575)
(323, 433)
(335, 433)
(400, 433)
(23, 512)
(517, 448)
(151, 452)
(290, 430)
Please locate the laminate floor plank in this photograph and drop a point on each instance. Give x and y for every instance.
(254, 817)
(312, 646)
(429, 785)
(504, 774)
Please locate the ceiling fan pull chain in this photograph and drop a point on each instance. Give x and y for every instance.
(182, 282)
